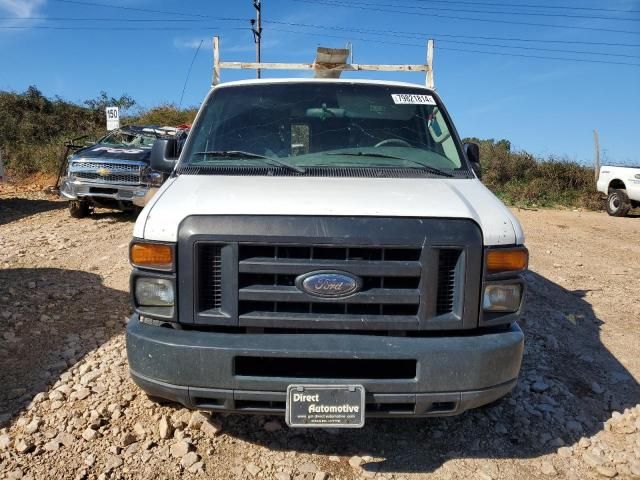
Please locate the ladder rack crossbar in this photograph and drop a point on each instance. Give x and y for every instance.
(319, 66)
(323, 67)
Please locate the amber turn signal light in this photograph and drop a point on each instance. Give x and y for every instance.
(151, 255)
(507, 260)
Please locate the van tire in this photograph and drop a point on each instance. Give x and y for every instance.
(618, 204)
(78, 209)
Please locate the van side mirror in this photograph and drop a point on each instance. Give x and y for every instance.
(164, 154)
(472, 151)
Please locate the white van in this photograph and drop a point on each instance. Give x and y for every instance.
(325, 250)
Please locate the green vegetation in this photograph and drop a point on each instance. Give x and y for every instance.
(519, 178)
(34, 128)
(166, 114)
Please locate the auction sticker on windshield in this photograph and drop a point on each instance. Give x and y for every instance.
(325, 406)
(412, 99)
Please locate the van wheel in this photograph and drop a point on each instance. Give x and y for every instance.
(618, 204)
(78, 209)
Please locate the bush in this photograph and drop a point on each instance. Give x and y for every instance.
(163, 115)
(521, 179)
(34, 128)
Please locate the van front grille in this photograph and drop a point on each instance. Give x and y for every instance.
(390, 279)
(410, 275)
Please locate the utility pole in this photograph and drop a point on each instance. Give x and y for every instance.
(596, 142)
(256, 28)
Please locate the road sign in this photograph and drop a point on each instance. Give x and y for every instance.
(113, 118)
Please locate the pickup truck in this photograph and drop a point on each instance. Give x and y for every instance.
(621, 185)
(324, 250)
(114, 172)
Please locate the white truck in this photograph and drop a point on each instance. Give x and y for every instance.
(621, 185)
(325, 250)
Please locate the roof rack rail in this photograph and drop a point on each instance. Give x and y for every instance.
(329, 63)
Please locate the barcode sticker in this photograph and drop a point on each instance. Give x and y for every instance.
(412, 99)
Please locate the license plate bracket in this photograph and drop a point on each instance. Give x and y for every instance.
(325, 406)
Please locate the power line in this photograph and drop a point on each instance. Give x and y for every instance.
(146, 10)
(184, 87)
(367, 32)
(118, 19)
(306, 25)
(433, 34)
(332, 3)
(521, 5)
(371, 6)
(74, 28)
(541, 57)
(517, 47)
(510, 54)
(461, 42)
(528, 14)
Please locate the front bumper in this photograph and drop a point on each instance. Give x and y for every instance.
(72, 189)
(198, 368)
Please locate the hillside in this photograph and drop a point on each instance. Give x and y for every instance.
(520, 178)
(34, 128)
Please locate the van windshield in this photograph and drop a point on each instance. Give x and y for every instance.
(324, 125)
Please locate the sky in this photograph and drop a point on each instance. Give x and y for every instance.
(539, 73)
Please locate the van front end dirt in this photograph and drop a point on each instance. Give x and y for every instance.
(325, 250)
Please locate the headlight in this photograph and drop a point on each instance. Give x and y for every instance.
(154, 292)
(154, 179)
(502, 298)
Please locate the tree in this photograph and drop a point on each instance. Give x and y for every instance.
(103, 100)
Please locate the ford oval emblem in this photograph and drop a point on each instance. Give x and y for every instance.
(329, 284)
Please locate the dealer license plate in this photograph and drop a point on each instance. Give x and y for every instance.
(326, 406)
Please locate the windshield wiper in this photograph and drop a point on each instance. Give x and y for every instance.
(251, 156)
(426, 168)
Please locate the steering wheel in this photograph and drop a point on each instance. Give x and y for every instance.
(393, 141)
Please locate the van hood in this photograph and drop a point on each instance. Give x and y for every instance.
(188, 195)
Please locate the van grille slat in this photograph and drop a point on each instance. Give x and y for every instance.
(210, 274)
(357, 267)
(447, 264)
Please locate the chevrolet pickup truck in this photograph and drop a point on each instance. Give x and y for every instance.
(114, 172)
(324, 250)
(621, 185)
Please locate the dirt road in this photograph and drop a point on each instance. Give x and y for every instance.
(69, 409)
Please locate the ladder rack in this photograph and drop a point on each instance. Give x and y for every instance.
(329, 63)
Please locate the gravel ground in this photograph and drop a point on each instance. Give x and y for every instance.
(69, 410)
